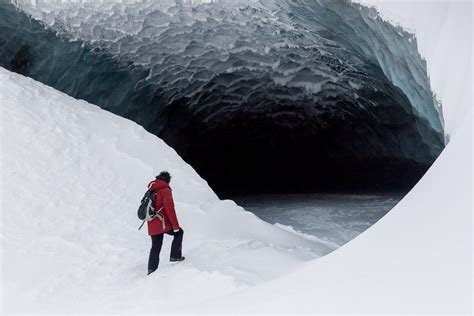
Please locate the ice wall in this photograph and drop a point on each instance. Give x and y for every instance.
(148, 32)
(325, 86)
(444, 36)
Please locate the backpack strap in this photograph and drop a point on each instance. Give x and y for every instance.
(141, 225)
(160, 217)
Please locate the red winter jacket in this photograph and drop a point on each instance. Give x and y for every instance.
(163, 199)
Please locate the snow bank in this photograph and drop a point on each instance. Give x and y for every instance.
(72, 178)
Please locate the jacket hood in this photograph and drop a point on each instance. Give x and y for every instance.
(158, 184)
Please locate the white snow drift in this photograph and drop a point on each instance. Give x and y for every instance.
(73, 176)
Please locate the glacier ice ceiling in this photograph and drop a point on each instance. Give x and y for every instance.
(258, 96)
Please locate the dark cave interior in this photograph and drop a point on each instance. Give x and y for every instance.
(289, 150)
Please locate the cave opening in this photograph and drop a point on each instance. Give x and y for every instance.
(288, 149)
(289, 120)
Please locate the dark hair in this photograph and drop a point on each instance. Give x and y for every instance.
(165, 176)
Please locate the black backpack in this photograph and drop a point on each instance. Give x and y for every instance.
(146, 210)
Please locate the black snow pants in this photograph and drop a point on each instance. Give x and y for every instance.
(157, 242)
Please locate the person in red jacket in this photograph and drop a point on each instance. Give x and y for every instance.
(168, 224)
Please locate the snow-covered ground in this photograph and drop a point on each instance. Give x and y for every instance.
(72, 175)
(72, 179)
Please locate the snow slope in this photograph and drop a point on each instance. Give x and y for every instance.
(72, 178)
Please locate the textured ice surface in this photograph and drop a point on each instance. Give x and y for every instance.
(325, 86)
(314, 45)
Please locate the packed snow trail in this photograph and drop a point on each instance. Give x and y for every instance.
(73, 176)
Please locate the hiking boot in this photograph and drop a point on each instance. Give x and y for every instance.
(176, 259)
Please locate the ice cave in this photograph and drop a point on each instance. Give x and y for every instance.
(324, 94)
(313, 167)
